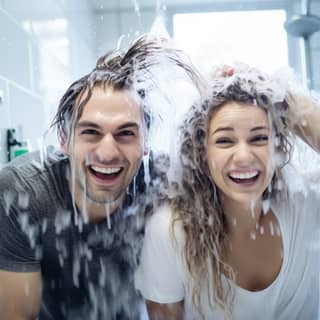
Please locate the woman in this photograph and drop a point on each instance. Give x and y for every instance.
(237, 242)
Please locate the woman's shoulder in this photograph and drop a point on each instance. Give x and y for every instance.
(301, 202)
(161, 217)
(163, 224)
(302, 184)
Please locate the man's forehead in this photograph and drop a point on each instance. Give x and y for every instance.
(107, 104)
(103, 88)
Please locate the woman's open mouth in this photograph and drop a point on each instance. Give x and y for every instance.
(244, 178)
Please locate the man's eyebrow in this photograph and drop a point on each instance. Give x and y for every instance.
(129, 125)
(85, 124)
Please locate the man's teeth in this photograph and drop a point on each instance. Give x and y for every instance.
(244, 175)
(105, 170)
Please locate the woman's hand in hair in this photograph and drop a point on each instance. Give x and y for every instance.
(303, 118)
(223, 71)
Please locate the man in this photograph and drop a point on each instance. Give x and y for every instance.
(71, 223)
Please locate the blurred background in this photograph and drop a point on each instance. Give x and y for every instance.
(47, 44)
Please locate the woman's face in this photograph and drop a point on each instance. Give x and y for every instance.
(239, 151)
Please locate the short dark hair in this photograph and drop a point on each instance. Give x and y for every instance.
(122, 69)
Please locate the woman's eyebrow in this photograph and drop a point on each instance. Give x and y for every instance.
(259, 128)
(223, 129)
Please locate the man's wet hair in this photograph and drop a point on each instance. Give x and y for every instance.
(121, 69)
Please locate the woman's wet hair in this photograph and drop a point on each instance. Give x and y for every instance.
(199, 207)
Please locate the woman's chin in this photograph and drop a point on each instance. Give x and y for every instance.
(244, 200)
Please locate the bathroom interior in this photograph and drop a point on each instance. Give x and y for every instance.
(47, 44)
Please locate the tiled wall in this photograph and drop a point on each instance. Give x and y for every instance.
(32, 75)
(125, 24)
(17, 82)
(315, 45)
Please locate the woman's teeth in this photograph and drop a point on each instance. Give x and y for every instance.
(243, 175)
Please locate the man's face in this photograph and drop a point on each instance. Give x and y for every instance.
(108, 145)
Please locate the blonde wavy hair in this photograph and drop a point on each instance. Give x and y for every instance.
(198, 207)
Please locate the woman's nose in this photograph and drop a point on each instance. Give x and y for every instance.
(243, 154)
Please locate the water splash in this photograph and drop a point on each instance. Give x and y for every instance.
(108, 215)
(272, 232)
(9, 197)
(136, 7)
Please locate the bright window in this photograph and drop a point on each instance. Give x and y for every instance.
(257, 38)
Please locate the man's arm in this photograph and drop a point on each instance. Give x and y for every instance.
(165, 311)
(20, 295)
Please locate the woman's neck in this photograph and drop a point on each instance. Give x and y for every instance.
(242, 217)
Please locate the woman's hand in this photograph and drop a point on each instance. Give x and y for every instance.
(303, 118)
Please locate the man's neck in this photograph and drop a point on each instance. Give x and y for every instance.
(93, 211)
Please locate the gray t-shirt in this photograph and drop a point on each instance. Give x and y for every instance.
(87, 269)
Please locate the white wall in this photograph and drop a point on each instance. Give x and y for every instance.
(112, 25)
(37, 64)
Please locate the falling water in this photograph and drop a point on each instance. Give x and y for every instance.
(173, 94)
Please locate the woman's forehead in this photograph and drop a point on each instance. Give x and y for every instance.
(234, 113)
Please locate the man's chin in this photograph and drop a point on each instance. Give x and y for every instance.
(103, 199)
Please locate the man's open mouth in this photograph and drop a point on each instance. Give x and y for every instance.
(105, 173)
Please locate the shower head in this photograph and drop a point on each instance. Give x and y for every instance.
(302, 25)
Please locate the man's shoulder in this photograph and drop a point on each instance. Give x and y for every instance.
(36, 175)
(33, 163)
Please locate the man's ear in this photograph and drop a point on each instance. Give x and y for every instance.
(145, 147)
(64, 143)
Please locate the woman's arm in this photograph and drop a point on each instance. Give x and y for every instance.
(165, 311)
(303, 118)
(160, 275)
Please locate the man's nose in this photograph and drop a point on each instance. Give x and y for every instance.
(107, 149)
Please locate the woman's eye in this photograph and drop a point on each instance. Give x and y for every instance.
(260, 138)
(223, 141)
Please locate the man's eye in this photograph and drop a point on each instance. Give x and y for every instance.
(260, 139)
(126, 133)
(89, 132)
